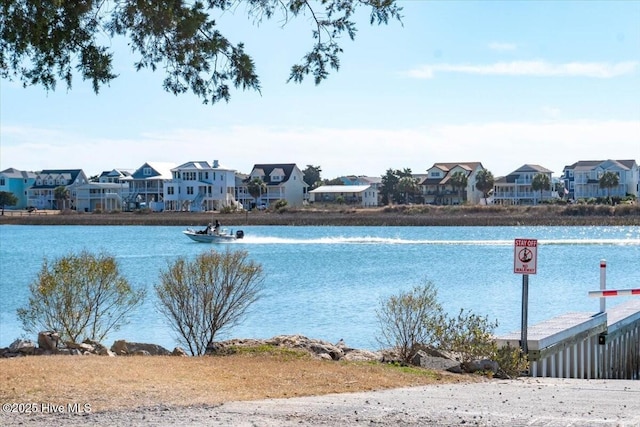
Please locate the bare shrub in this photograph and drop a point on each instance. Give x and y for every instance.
(78, 296)
(200, 298)
(407, 320)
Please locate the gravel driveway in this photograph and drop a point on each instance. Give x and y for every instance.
(522, 402)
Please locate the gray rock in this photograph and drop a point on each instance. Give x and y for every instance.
(48, 340)
(122, 347)
(22, 346)
(482, 365)
(425, 360)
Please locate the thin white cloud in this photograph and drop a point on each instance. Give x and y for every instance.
(602, 70)
(501, 147)
(502, 46)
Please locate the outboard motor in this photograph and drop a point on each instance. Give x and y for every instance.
(239, 234)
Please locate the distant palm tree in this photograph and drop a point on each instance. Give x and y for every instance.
(459, 181)
(609, 180)
(541, 182)
(61, 194)
(408, 186)
(484, 183)
(256, 187)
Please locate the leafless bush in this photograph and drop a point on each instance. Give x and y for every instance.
(200, 298)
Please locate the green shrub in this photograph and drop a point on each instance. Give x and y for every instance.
(407, 320)
(468, 335)
(511, 361)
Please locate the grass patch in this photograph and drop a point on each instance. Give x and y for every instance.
(109, 383)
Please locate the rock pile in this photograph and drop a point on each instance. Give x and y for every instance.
(49, 343)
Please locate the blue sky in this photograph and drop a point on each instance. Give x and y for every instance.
(503, 83)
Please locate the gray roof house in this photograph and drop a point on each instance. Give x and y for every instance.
(515, 188)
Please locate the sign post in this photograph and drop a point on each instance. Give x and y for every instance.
(525, 262)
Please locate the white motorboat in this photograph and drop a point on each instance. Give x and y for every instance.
(211, 236)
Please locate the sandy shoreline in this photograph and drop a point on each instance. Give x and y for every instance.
(527, 401)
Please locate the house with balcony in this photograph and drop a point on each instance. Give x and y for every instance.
(17, 182)
(516, 189)
(242, 192)
(106, 194)
(146, 186)
(41, 194)
(437, 188)
(198, 186)
(284, 181)
(352, 195)
(582, 179)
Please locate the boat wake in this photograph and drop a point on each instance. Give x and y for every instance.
(370, 240)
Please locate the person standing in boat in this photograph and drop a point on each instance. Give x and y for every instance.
(216, 228)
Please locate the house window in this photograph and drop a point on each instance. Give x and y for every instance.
(2, 183)
(170, 190)
(189, 190)
(146, 171)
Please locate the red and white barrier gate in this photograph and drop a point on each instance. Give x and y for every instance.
(614, 293)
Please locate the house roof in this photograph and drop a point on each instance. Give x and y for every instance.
(70, 175)
(15, 173)
(587, 165)
(448, 168)
(116, 173)
(201, 165)
(160, 171)
(341, 189)
(265, 171)
(528, 168)
(470, 166)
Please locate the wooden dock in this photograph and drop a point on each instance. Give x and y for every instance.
(584, 345)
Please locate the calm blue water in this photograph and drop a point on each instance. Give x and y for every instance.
(326, 282)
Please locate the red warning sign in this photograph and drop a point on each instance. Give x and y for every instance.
(525, 256)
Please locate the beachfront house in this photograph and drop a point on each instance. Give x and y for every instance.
(582, 179)
(516, 188)
(283, 181)
(17, 182)
(42, 194)
(354, 195)
(146, 186)
(106, 193)
(437, 187)
(198, 186)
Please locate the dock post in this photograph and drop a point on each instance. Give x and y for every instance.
(603, 284)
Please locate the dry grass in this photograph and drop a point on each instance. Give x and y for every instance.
(417, 215)
(109, 383)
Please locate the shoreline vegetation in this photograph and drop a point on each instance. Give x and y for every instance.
(399, 215)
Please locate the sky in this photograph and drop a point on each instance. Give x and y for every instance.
(504, 83)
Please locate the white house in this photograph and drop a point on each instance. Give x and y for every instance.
(284, 181)
(582, 178)
(437, 188)
(515, 188)
(363, 195)
(199, 186)
(108, 194)
(146, 186)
